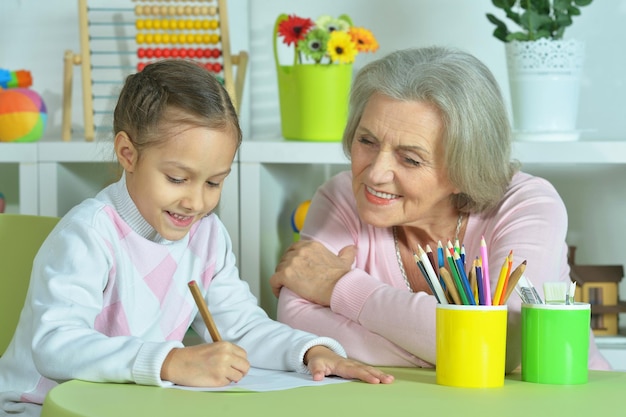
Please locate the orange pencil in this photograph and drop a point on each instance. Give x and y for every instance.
(204, 311)
(513, 280)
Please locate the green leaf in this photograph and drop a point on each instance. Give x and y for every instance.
(535, 18)
(503, 4)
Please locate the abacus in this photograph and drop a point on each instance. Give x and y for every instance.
(118, 38)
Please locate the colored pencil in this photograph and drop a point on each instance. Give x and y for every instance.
(479, 281)
(440, 256)
(440, 262)
(462, 254)
(506, 279)
(204, 311)
(500, 284)
(464, 279)
(431, 258)
(434, 279)
(457, 246)
(514, 279)
(456, 277)
(447, 278)
(485, 271)
(472, 281)
(422, 269)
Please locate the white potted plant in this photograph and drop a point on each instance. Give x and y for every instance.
(544, 69)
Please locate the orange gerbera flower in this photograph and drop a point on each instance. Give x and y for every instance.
(364, 39)
(294, 28)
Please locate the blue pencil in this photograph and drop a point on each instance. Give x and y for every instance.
(479, 281)
(463, 276)
(441, 262)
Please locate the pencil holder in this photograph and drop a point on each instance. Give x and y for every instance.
(471, 345)
(555, 343)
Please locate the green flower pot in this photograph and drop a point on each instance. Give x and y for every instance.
(314, 100)
(313, 97)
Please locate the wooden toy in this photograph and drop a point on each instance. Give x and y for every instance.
(118, 38)
(598, 286)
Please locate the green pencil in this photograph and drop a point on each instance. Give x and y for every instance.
(455, 276)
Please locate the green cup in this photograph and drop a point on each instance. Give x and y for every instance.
(555, 343)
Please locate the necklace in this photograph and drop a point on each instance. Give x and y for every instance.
(399, 257)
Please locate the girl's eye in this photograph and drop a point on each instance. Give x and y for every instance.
(174, 180)
(213, 184)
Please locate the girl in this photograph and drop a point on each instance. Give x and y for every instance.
(108, 297)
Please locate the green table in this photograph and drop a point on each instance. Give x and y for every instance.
(414, 393)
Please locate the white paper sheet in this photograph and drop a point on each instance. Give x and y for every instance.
(259, 380)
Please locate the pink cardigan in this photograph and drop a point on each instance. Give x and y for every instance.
(374, 316)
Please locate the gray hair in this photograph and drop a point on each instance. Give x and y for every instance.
(477, 132)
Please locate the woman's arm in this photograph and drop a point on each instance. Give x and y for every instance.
(379, 338)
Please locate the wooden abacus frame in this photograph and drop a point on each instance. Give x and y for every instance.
(233, 84)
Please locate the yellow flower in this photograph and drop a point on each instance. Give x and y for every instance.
(341, 48)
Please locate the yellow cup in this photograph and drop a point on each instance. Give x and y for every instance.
(471, 345)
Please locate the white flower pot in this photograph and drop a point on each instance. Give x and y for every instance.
(544, 81)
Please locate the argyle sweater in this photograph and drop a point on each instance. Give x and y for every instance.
(108, 300)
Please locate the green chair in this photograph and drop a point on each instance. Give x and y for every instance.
(21, 235)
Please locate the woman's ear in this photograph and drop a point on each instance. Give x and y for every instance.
(125, 151)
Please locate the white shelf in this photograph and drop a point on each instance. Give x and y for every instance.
(18, 152)
(281, 151)
(579, 152)
(75, 152)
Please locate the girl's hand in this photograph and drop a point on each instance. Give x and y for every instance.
(206, 365)
(310, 270)
(322, 362)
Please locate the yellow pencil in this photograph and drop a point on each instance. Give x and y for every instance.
(501, 279)
(509, 266)
(472, 281)
(204, 311)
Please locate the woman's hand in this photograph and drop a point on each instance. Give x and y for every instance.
(310, 270)
(323, 362)
(206, 365)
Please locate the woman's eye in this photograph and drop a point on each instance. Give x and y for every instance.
(365, 141)
(213, 184)
(412, 162)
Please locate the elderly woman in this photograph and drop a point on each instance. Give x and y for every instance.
(429, 141)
